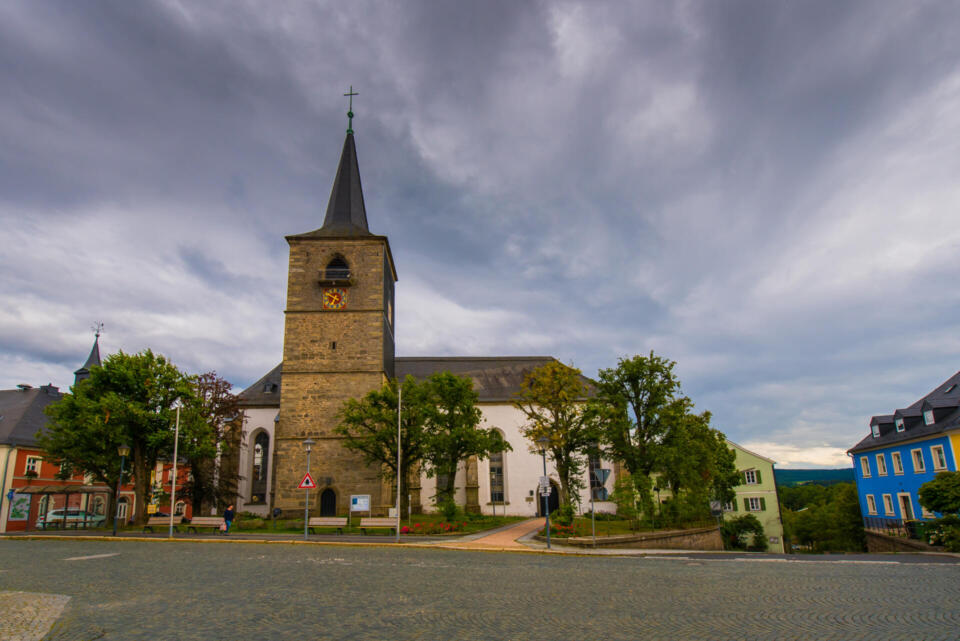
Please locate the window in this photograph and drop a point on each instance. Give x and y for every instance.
(178, 510)
(337, 269)
(897, 462)
(871, 504)
(730, 507)
(876, 430)
(754, 504)
(888, 505)
(33, 465)
(751, 477)
(928, 417)
(99, 505)
(927, 514)
(939, 458)
(899, 423)
(918, 465)
(881, 465)
(122, 505)
(865, 466)
(496, 478)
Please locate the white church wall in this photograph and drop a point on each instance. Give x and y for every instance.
(522, 469)
(255, 420)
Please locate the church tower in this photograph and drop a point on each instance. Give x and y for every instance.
(338, 343)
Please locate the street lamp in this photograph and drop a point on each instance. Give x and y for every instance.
(124, 452)
(307, 445)
(543, 442)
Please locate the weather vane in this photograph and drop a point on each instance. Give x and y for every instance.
(350, 112)
(97, 329)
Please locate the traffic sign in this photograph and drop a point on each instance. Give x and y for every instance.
(307, 483)
(546, 491)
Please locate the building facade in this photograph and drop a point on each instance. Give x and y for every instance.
(757, 494)
(903, 451)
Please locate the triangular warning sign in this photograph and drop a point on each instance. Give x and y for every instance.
(307, 483)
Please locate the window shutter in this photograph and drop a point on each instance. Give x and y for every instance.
(757, 473)
(746, 505)
(763, 504)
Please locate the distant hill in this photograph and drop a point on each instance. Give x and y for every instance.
(792, 478)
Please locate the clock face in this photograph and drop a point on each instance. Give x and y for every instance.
(334, 298)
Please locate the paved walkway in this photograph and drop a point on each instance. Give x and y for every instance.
(504, 539)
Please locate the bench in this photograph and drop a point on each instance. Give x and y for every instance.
(162, 521)
(212, 522)
(378, 523)
(327, 521)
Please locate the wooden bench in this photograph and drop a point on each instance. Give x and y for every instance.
(378, 524)
(162, 521)
(328, 521)
(212, 522)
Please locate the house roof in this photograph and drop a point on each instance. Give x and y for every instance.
(495, 378)
(945, 395)
(21, 413)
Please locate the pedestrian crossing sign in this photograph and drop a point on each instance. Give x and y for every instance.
(307, 483)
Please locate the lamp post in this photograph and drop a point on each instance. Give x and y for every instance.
(173, 477)
(659, 504)
(307, 445)
(124, 452)
(543, 442)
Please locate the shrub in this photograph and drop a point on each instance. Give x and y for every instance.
(563, 515)
(946, 532)
(449, 509)
(736, 531)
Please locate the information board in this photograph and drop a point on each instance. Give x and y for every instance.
(359, 502)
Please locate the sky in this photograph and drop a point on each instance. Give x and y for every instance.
(764, 192)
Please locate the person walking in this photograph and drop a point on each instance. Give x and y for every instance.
(228, 518)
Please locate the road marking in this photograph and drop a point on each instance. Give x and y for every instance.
(92, 556)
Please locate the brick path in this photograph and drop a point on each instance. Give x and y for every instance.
(501, 540)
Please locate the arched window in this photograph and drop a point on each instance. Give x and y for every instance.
(258, 472)
(180, 507)
(497, 494)
(337, 269)
(122, 506)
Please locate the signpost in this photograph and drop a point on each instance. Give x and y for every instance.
(307, 483)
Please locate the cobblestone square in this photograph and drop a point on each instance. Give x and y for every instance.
(208, 591)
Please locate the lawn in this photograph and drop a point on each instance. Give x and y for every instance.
(418, 524)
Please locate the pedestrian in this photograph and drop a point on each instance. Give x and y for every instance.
(228, 518)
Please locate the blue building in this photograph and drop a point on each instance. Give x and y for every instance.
(906, 449)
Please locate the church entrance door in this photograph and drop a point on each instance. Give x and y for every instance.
(553, 501)
(328, 503)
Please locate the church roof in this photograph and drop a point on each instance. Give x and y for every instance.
(265, 392)
(496, 379)
(21, 413)
(346, 214)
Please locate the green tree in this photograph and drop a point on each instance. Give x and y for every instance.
(369, 427)
(553, 399)
(208, 429)
(128, 400)
(743, 532)
(942, 494)
(830, 523)
(452, 431)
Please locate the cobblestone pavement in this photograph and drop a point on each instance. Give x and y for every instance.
(27, 617)
(148, 590)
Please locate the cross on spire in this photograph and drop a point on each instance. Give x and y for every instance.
(351, 94)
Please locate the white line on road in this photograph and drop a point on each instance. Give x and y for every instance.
(92, 556)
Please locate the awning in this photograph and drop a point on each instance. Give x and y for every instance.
(62, 489)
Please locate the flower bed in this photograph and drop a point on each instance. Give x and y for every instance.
(442, 527)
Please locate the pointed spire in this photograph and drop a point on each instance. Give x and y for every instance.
(346, 214)
(93, 360)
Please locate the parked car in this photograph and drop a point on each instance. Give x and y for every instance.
(70, 517)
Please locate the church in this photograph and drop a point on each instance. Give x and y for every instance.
(339, 343)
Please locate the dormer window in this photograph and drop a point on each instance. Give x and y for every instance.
(337, 269)
(876, 430)
(899, 423)
(928, 417)
(950, 389)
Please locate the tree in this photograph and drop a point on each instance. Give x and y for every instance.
(205, 430)
(552, 397)
(128, 400)
(369, 427)
(831, 521)
(452, 430)
(942, 494)
(735, 531)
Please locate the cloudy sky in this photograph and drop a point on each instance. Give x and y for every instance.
(765, 192)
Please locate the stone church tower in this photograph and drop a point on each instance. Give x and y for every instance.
(338, 343)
